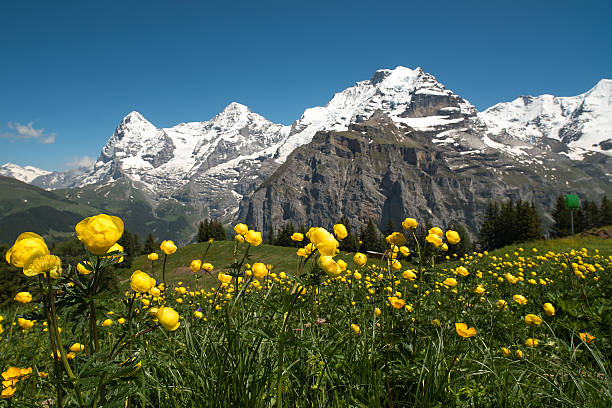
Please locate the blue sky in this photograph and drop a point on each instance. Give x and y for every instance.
(70, 71)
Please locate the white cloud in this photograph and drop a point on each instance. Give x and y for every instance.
(84, 161)
(24, 132)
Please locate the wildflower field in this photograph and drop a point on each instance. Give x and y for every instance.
(517, 327)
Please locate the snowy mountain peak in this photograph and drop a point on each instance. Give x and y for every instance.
(410, 97)
(25, 174)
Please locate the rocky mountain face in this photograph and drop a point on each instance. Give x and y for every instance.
(377, 170)
(220, 168)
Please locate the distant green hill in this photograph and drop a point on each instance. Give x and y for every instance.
(24, 207)
(53, 214)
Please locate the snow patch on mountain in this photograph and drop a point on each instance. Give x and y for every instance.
(25, 174)
(582, 122)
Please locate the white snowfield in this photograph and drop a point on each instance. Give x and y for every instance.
(25, 174)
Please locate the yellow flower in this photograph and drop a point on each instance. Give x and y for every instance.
(115, 248)
(404, 250)
(452, 237)
(463, 331)
(26, 248)
(462, 271)
(434, 240)
(533, 343)
(586, 337)
(355, 328)
(121, 320)
(44, 264)
(409, 274)
(377, 311)
(168, 247)
(99, 232)
(518, 353)
(520, 299)
(25, 323)
(154, 291)
(435, 231)
(396, 265)
(479, 290)
(342, 265)
(141, 282)
(195, 265)
(224, 278)
(107, 323)
(448, 282)
(340, 231)
(241, 229)
(396, 238)
(153, 256)
(409, 223)
(360, 259)
(396, 302)
(198, 314)
(297, 237)
(23, 297)
(330, 266)
(239, 238)
(76, 347)
(208, 267)
(259, 270)
(85, 267)
(506, 352)
(549, 309)
(253, 237)
(533, 320)
(168, 318)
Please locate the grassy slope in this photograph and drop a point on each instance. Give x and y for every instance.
(285, 259)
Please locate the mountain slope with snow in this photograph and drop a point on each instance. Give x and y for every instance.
(583, 123)
(25, 174)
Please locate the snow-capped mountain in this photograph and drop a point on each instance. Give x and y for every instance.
(583, 123)
(25, 174)
(411, 97)
(209, 167)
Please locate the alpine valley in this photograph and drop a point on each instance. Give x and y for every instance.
(398, 144)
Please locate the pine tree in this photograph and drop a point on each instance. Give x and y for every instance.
(605, 212)
(487, 236)
(561, 215)
(465, 245)
(348, 244)
(389, 227)
(370, 238)
(137, 245)
(283, 238)
(271, 236)
(150, 245)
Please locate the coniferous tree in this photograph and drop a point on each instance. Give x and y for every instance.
(487, 236)
(561, 215)
(137, 245)
(370, 238)
(150, 244)
(348, 244)
(271, 235)
(283, 238)
(605, 212)
(465, 244)
(389, 227)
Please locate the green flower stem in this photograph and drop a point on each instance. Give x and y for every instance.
(56, 369)
(281, 351)
(55, 327)
(164, 271)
